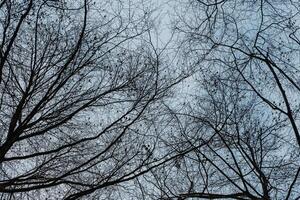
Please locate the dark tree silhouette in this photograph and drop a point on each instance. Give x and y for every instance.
(79, 83)
(244, 104)
(88, 110)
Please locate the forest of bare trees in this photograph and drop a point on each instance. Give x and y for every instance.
(96, 103)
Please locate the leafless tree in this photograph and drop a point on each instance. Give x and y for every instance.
(80, 87)
(244, 103)
(87, 110)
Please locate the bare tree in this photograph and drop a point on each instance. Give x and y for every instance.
(244, 105)
(87, 110)
(79, 84)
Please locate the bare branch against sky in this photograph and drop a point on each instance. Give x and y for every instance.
(149, 99)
